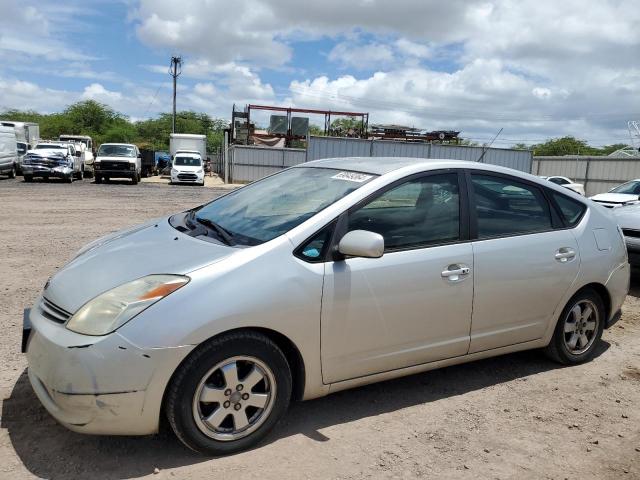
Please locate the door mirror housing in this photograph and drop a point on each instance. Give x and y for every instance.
(362, 243)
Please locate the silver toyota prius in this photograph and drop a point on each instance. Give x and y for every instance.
(326, 276)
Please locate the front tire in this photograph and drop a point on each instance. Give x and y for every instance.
(229, 393)
(12, 172)
(28, 178)
(135, 179)
(578, 330)
(98, 179)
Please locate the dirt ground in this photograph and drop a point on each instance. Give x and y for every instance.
(516, 416)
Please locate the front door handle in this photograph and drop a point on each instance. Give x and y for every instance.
(565, 254)
(455, 272)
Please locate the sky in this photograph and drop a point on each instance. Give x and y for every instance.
(536, 68)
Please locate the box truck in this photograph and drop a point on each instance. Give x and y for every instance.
(187, 142)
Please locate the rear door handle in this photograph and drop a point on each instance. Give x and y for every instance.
(565, 254)
(455, 272)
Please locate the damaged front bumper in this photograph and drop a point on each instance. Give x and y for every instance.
(99, 385)
(62, 171)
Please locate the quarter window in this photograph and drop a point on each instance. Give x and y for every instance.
(571, 209)
(508, 207)
(419, 212)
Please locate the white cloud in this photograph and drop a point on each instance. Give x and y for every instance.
(413, 49)
(372, 55)
(23, 95)
(97, 92)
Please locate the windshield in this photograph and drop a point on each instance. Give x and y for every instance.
(266, 209)
(632, 188)
(42, 146)
(187, 161)
(116, 151)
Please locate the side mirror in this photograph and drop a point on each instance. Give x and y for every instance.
(78, 153)
(362, 243)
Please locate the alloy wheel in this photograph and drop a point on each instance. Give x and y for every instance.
(234, 398)
(581, 327)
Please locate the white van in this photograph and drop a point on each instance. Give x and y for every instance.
(8, 151)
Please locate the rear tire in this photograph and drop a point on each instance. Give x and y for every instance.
(98, 179)
(80, 175)
(578, 330)
(236, 372)
(12, 172)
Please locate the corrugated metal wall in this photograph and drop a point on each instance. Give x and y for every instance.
(250, 163)
(333, 147)
(598, 174)
(330, 147)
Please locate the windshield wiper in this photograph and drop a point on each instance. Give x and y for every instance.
(222, 233)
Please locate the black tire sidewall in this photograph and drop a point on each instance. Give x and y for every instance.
(190, 373)
(558, 336)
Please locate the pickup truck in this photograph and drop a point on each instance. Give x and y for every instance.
(51, 159)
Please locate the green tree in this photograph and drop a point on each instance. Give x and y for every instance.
(564, 146)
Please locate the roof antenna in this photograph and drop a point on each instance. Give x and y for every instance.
(485, 149)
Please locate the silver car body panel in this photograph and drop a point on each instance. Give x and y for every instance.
(364, 325)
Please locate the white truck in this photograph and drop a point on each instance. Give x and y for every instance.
(8, 151)
(188, 142)
(83, 143)
(27, 135)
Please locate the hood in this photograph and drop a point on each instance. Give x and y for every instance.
(187, 168)
(614, 197)
(126, 256)
(47, 152)
(101, 158)
(628, 216)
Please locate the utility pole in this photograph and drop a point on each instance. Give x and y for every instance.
(175, 70)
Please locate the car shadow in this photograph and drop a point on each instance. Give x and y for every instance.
(49, 450)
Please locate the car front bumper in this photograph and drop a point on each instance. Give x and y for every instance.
(187, 177)
(42, 171)
(98, 385)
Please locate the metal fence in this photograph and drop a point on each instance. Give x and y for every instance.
(332, 147)
(598, 174)
(250, 163)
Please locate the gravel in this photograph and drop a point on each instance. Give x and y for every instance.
(498, 418)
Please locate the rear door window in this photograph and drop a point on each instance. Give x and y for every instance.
(505, 207)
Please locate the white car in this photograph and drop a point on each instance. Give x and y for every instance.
(566, 183)
(187, 168)
(625, 194)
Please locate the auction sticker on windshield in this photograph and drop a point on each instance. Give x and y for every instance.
(352, 176)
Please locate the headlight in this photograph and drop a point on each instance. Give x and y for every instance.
(110, 310)
(199, 171)
(173, 170)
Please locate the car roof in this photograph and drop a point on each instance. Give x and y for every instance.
(122, 144)
(383, 165)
